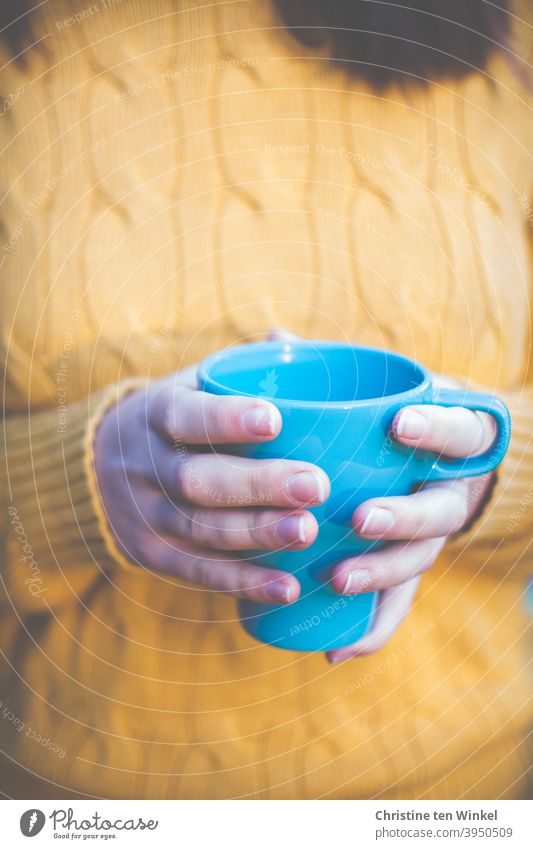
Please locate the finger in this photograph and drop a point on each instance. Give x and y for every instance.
(188, 376)
(236, 529)
(435, 510)
(199, 418)
(222, 480)
(278, 334)
(223, 574)
(454, 431)
(388, 567)
(393, 606)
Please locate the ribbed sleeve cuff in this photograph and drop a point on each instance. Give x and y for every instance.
(105, 534)
(53, 520)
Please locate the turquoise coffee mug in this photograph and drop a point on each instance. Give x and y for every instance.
(337, 404)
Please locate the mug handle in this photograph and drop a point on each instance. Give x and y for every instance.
(443, 469)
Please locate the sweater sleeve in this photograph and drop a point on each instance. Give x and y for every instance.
(54, 538)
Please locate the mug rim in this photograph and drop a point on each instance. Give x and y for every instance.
(205, 379)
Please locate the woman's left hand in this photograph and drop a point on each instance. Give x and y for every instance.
(417, 525)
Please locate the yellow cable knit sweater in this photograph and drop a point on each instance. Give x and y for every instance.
(180, 176)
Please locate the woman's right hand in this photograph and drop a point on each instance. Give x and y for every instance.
(176, 506)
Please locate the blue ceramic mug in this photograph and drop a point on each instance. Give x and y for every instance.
(337, 404)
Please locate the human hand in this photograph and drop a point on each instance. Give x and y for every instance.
(417, 526)
(175, 506)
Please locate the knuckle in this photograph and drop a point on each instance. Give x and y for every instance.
(219, 537)
(260, 534)
(426, 519)
(201, 571)
(196, 526)
(256, 483)
(221, 419)
(160, 516)
(242, 587)
(231, 417)
(247, 593)
(214, 419)
(187, 481)
(169, 418)
(450, 425)
(143, 547)
(224, 535)
(275, 486)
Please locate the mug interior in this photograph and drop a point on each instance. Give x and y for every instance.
(320, 372)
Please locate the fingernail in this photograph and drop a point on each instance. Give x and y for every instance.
(260, 421)
(291, 529)
(377, 522)
(411, 425)
(357, 581)
(306, 487)
(278, 591)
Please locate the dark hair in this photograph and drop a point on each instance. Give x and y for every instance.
(15, 24)
(386, 40)
(377, 40)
